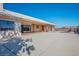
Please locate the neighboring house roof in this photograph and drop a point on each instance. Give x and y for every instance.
(25, 16)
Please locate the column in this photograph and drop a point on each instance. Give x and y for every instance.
(17, 26)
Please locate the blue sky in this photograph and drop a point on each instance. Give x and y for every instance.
(62, 14)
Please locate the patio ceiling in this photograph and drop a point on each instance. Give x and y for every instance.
(26, 18)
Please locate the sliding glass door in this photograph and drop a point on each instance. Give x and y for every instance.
(6, 25)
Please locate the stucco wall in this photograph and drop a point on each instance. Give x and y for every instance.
(1, 7)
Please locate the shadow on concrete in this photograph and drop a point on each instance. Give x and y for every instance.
(14, 45)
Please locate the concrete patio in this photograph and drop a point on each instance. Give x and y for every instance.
(55, 44)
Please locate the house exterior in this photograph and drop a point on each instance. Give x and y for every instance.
(10, 20)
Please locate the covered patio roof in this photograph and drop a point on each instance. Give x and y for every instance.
(25, 17)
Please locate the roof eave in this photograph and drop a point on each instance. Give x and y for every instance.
(25, 16)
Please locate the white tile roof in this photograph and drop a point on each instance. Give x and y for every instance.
(25, 16)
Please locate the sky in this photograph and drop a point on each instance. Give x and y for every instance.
(61, 14)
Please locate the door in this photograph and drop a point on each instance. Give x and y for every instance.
(25, 28)
(42, 28)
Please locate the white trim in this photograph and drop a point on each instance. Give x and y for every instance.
(25, 16)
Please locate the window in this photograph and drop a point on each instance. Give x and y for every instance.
(6, 25)
(37, 26)
(26, 28)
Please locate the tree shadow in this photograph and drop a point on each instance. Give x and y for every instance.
(14, 45)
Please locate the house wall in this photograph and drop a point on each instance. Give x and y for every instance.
(35, 26)
(47, 28)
